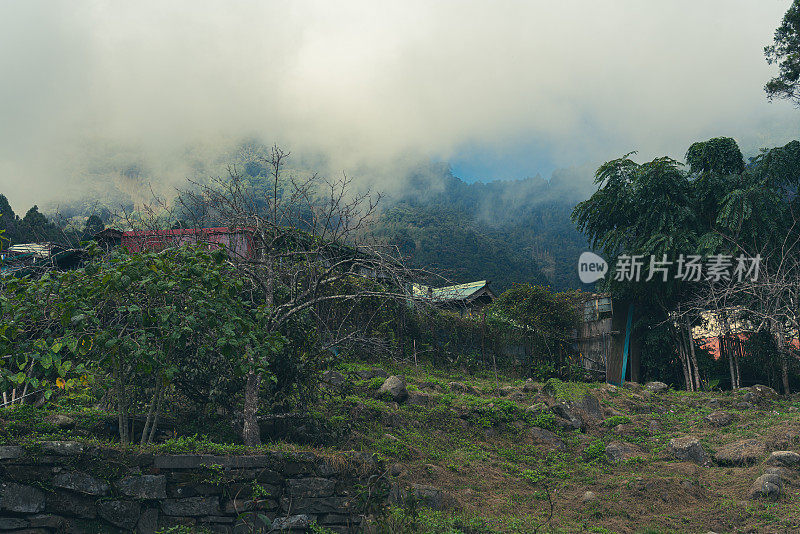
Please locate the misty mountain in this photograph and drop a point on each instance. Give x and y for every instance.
(503, 231)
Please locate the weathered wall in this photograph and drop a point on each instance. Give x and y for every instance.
(72, 487)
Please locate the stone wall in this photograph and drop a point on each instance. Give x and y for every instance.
(62, 486)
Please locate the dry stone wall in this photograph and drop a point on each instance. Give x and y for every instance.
(73, 487)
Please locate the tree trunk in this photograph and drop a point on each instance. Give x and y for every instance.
(251, 433)
(682, 357)
(690, 341)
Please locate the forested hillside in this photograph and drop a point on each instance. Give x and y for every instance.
(503, 231)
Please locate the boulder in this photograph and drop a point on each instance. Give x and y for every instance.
(10, 452)
(143, 487)
(333, 378)
(720, 418)
(310, 487)
(429, 496)
(418, 398)
(589, 496)
(292, 522)
(369, 374)
(21, 498)
(744, 405)
(769, 486)
(742, 452)
(617, 451)
(591, 406)
(760, 391)
(656, 387)
(784, 459)
(81, 482)
(60, 420)
(122, 514)
(687, 449)
(191, 506)
(458, 387)
(395, 388)
(62, 448)
(567, 412)
(545, 437)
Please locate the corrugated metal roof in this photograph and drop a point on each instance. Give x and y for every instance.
(449, 293)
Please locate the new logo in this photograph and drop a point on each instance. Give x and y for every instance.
(591, 267)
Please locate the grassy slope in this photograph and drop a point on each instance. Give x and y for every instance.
(478, 447)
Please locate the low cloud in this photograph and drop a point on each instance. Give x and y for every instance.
(91, 89)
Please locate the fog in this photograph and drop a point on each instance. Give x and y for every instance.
(94, 90)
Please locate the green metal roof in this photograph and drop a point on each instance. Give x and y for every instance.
(449, 293)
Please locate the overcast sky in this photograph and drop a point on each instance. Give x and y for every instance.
(498, 89)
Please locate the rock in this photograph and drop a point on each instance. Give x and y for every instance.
(143, 487)
(292, 522)
(397, 470)
(333, 378)
(763, 392)
(687, 448)
(714, 403)
(588, 496)
(767, 486)
(545, 437)
(517, 396)
(191, 506)
(780, 471)
(60, 420)
(369, 374)
(310, 487)
(62, 448)
(742, 452)
(719, 418)
(744, 405)
(81, 482)
(617, 451)
(11, 523)
(656, 387)
(591, 406)
(458, 387)
(418, 398)
(536, 407)
(148, 521)
(565, 411)
(47, 521)
(21, 498)
(9, 452)
(395, 388)
(529, 386)
(429, 496)
(784, 458)
(122, 514)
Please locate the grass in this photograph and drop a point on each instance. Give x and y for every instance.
(480, 449)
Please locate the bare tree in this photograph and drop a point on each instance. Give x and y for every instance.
(305, 253)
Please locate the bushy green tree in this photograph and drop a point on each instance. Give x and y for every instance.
(150, 322)
(785, 52)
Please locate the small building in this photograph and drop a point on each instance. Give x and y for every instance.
(606, 341)
(30, 258)
(468, 299)
(238, 242)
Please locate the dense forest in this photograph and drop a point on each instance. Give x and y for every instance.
(502, 231)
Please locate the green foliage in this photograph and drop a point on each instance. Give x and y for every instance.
(617, 420)
(152, 322)
(785, 52)
(595, 451)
